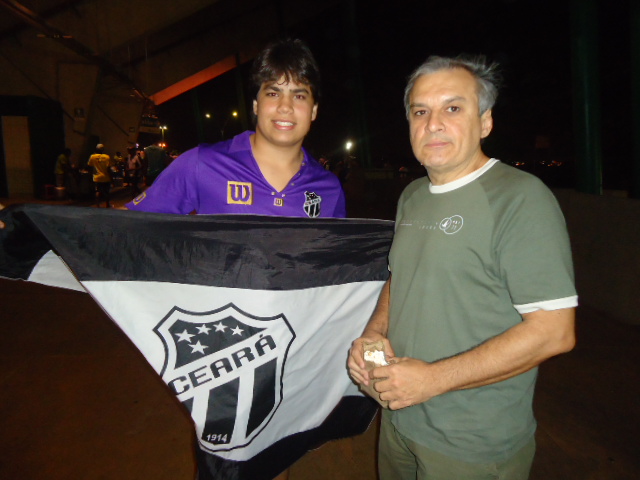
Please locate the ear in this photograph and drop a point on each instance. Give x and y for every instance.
(486, 122)
(314, 112)
(255, 108)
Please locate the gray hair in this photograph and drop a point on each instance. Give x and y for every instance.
(487, 77)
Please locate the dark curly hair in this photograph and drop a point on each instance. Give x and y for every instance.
(290, 58)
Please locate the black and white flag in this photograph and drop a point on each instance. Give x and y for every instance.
(247, 319)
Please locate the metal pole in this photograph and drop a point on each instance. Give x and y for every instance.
(635, 95)
(586, 102)
(359, 111)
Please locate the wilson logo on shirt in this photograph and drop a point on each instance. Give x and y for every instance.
(239, 193)
(139, 198)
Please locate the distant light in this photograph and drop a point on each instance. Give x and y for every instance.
(207, 115)
(235, 114)
(349, 145)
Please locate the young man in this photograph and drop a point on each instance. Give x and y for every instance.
(266, 172)
(481, 293)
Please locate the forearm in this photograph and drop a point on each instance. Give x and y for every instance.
(541, 335)
(379, 321)
(375, 330)
(409, 381)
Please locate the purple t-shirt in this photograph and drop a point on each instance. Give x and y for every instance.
(224, 178)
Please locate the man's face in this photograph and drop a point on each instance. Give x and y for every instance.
(285, 111)
(445, 125)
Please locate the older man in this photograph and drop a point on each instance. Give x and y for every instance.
(481, 292)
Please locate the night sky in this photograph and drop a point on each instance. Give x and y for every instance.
(365, 57)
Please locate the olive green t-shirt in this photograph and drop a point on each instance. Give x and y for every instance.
(468, 258)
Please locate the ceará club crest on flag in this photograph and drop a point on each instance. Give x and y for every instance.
(226, 367)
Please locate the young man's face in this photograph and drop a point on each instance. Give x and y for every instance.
(284, 111)
(445, 124)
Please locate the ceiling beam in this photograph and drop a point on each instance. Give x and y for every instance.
(31, 18)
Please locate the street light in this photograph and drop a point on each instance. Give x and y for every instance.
(233, 114)
(162, 129)
(349, 145)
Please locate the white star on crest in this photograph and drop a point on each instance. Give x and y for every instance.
(237, 331)
(184, 336)
(203, 329)
(198, 347)
(220, 327)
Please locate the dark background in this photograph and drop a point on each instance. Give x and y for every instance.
(367, 52)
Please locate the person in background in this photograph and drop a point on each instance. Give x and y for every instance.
(101, 164)
(119, 165)
(63, 167)
(481, 292)
(133, 169)
(157, 160)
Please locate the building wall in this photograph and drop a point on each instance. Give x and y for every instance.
(32, 138)
(17, 155)
(95, 104)
(41, 68)
(153, 43)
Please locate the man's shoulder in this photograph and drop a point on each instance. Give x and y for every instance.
(511, 189)
(509, 179)
(237, 148)
(503, 169)
(415, 185)
(318, 174)
(317, 168)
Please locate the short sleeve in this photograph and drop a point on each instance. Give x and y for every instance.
(533, 249)
(175, 190)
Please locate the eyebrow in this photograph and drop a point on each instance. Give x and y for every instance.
(276, 88)
(447, 101)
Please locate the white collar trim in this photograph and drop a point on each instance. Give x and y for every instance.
(461, 182)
